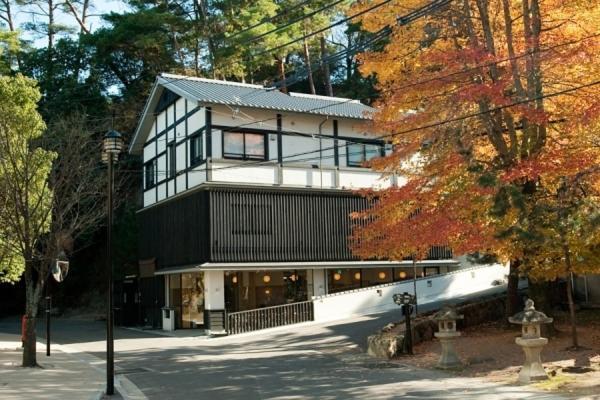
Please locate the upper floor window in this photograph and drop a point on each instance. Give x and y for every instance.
(244, 146)
(172, 159)
(359, 153)
(150, 173)
(196, 155)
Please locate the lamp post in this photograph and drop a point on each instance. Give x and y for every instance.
(112, 146)
(406, 301)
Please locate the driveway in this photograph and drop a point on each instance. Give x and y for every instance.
(298, 362)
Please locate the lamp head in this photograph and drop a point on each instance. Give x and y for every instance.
(112, 142)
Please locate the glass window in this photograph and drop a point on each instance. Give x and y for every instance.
(246, 290)
(358, 153)
(255, 146)
(175, 297)
(196, 155)
(172, 160)
(245, 146)
(150, 174)
(192, 300)
(355, 155)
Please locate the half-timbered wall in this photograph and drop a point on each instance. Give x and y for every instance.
(295, 154)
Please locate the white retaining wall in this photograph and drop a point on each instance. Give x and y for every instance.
(378, 299)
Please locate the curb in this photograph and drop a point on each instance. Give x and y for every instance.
(127, 389)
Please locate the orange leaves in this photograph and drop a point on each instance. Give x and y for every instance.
(448, 66)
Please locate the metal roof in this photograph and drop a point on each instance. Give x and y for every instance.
(256, 96)
(209, 91)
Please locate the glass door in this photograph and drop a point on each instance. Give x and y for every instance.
(192, 300)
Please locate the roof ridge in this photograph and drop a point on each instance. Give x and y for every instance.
(215, 81)
(321, 97)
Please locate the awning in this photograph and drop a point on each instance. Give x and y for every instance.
(263, 266)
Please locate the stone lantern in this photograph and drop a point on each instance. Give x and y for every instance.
(531, 342)
(447, 334)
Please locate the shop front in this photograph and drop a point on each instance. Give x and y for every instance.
(248, 290)
(186, 296)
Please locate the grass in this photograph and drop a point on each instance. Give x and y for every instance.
(554, 383)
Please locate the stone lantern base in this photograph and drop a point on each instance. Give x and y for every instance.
(532, 370)
(448, 358)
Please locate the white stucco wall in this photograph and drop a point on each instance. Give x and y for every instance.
(299, 170)
(214, 290)
(378, 299)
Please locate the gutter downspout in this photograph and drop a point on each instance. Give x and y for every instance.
(321, 148)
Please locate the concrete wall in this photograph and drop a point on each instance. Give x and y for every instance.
(430, 289)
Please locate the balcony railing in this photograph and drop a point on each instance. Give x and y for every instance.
(269, 317)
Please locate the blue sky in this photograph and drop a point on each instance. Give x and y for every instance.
(94, 21)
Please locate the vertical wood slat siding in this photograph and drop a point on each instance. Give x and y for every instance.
(254, 225)
(177, 232)
(272, 225)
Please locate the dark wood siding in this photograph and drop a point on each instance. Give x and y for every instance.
(176, 232)
(281, 225)
(249, 225)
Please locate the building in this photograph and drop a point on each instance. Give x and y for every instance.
(247, 196)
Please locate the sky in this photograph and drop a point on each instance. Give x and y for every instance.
(94, 21)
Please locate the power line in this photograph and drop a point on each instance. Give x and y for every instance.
(378, 36)
(291, 22)
(402, 87)
(269, 19)
(270, 50)
(423, 127)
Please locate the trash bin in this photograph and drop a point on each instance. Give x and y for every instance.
(168, 319)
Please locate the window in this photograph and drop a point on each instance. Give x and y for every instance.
(358, 153)
(244, 146)
(172, 159)
(196, 155)
(150, 173)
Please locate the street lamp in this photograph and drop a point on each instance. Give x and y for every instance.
(112, 146)
(406, 301)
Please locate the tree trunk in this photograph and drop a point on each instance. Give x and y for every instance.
(325, 69)
(574, 337)
(29, 344)
(281, 66)
(512, 289)
(311, 82)
(33, 286)
(541, 293)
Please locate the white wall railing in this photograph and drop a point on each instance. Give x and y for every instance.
(298, 175)
(378, 299)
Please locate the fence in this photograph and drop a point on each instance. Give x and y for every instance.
(269, 317)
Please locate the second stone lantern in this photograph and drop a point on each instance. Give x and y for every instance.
(531, 341)
(447, 334)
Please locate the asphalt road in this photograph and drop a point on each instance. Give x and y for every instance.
(307, 361)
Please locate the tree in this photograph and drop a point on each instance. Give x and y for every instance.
(493, 96)
(25, 194)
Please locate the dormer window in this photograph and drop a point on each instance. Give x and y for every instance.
(244, 145)
(359, 153)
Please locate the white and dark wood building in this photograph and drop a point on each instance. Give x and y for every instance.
(247, 196)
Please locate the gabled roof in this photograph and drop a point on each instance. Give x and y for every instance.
(209, 91)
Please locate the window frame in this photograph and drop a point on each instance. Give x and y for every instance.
(381, 153)
(152, 164)
(172, 159)
(244, 156)
(196, 157)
